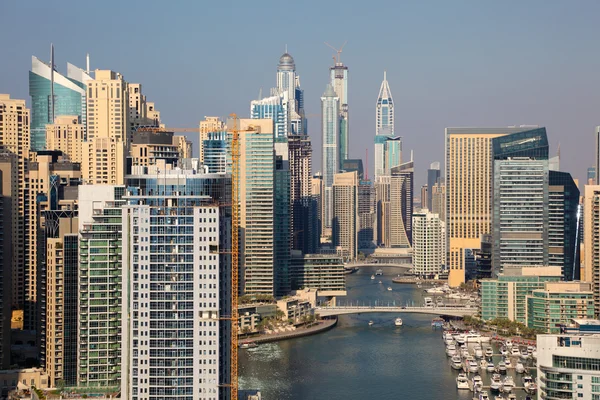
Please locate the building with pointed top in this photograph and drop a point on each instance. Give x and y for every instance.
(288, 81)
(54, 94)
(339, 81)
(384, 124)
(330, 122)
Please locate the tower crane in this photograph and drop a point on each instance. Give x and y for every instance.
(338, 51)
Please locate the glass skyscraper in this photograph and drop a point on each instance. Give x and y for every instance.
(215, 152)
(52, 95)
(275, 108)
(384, 126)
(330, 106)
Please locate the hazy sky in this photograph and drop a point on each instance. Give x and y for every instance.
(449, 63)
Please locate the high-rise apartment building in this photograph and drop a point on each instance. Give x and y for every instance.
(384, 125)
(469, 182)
(433, 178)
(62, 291)
(257, 198)
(53, 95)
(438, 200)
(429, 244)
(8, 186)
(141, 112)
(345, 214)
(316, 192)
(215, 152)
(305, 233)
(275, 107)
(520, 217)
(591, 242)
(382, 210)
(177, 285)
(53, 184)
(282, 218)
(100, 285)
(209, 124)
(401, 205)
(338, 75)
(66, 135)
(148, 146)
(563, 225)
(15, 139)
(330, 106)
(289, 82)
(392, 153)
(366, 214)
(109, 133)
(424, 191)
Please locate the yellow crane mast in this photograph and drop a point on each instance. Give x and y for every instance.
(235, 214)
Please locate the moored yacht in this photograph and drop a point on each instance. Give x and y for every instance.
(520, 368)
(490, 367)
(508, 384)
(474, 337)
(489, 352)
(472, 365)
(501, 367)
(478, 352)
(462, 382)
(484, 396)
(496, 383)
(515, 352)
(398, 322)
(477, 383)
(451, 350)
(456, 362)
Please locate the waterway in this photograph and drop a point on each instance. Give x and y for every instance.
(358, 361)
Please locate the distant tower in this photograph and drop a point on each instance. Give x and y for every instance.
(330, 110)
(288, 81)
(384, 125)
(339, 81)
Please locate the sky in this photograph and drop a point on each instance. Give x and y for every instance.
(449, 63)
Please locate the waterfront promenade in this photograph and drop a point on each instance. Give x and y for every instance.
(451, 311)
(321, 326)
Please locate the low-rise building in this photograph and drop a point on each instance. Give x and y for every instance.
(295, 308)
(557, 303)
(23, 379)
(506, 296)
(250, 315)
(568, 364)
(324, 272)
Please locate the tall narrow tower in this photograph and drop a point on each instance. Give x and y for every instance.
(384, 125)
(288, 81)
(330, 110)
(339, 81)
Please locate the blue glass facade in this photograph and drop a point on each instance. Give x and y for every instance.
(215, 152)
(66, 102)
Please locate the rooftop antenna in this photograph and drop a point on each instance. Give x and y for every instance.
(338, 51)
(411, 155)
(87, 63)
(367, 170)
(558, 150)
(384, 75)
(260, 94)
(286, 48)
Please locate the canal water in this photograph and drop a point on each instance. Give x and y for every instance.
(358, 361)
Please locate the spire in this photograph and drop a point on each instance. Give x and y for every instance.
(329, 92)
(286, 47)
(384, 75)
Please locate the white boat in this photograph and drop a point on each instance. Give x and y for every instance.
(478, 352)
(372, 276)
(474, 337)
(501, 367)
(508, 384)
(248, 345)
(490, 367)
(489, 352)
(499, 397)
(530, 350)
(508, 343)
(496, 383)
(484, 396)
(451, 350)
(456, 362)
(524, 354)
(507, 362)
(511, 396)
(398, 322)
(534, 354)
(472, 365)
(462, 382)
(520, 368)
(448, 340)
(460, 338)
(379, 282)
(371, 323)
(477, 383)
(379, 272)
(503, 351)
(527, 380)
(389, 288)
(515, 352)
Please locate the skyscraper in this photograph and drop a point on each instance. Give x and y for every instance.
(100, 285)
(109, 134)
(392, 153)
(469, 181)
(305, 232)
(433, 177)
(520, 216)
(330, 106)
(14, 139)
(401, 205)
(429, 244)
(282, 220)
(257, 199)
(591, 242)
(209, 124)
(338, 74)
(53, 95)
(275, 107)
(384, 125)
(345, 214)
(8, 186)
(177, 285)
(67, 135)
(597, 160)
(289, 82)
(215, 152)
